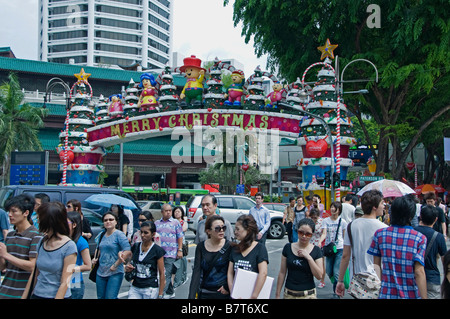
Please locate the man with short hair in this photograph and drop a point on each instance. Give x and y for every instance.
(262, 218)
(18, 253)
(362, 230)
(348, 210)
(430, 199)
(171, 234)
(209, 208)
(428, 217)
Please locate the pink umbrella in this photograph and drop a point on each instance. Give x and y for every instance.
(389, 188)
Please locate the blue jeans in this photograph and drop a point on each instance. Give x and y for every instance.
(108, 287)
(332, 265)
(78, 290)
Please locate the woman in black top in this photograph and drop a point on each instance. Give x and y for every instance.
(146, 263)
(302, 261)
(209, 276)
(248, 254)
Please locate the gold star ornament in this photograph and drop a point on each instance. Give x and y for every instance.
(327, 50)
(82, 76)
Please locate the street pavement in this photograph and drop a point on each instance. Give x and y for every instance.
(274, 248)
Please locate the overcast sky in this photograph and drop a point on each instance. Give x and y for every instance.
(218, 38)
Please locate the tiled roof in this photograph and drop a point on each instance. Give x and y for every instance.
(61, 69)
(153, 146)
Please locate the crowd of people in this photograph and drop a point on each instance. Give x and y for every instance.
(398, 244)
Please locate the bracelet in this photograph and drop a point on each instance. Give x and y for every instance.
(179, 249)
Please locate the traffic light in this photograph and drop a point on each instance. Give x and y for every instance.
(327, 179)
(336, 180)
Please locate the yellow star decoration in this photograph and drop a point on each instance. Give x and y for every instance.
(327, 50)
(82, 76)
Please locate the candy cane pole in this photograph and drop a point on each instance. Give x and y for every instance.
(66, 146)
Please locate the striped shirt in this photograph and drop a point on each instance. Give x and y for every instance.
(20, 245)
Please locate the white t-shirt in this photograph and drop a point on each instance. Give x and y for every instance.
(362, 234)
(348, 212)
(331, 227)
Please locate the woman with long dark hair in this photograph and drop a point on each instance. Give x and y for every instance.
(57, 254)
(74, 205)
(83, 257)
(249, 254)
(209, 276)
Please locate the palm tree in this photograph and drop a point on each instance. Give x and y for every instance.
(19, 122)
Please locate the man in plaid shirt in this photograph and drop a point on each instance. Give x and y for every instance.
(399, 251)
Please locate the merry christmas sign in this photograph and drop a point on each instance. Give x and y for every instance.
(151, 125)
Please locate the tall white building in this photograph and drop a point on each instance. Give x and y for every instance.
(106, 32)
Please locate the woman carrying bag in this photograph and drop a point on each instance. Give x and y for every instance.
(209, 276)
(110, 268)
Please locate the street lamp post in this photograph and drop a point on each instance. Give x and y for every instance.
(47, 97)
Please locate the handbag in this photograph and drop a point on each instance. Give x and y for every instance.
(329, 249)
(185, 249)
(211, 266)
(93, 272)
(363, 285)
(33, 279)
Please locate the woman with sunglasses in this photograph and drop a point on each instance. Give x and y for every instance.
(209, 276)
(301, 261)
(111, 271)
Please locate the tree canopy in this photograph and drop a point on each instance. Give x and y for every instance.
(410, 50)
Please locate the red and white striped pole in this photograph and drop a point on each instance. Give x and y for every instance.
(66, 146)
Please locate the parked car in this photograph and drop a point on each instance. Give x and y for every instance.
(154, 206)
(231, 207)
(65, 193)
(279, 207)
(95, 219)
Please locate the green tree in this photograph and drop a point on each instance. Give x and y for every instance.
(410, 50)
(19, 121)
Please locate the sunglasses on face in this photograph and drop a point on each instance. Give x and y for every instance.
(108, 220)
(302, 233)
(142, 220)
(220, 228)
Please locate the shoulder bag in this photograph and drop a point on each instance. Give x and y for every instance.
(211, 266)
(330, 250)
(362, 285)
(93, 272)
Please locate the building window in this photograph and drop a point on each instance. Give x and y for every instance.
(113, 61)
(118, 36)
(77, 59)
(117, 23)
(67, 47)
(118, 11)
(67, 35)
(117, 48)
(159, 34)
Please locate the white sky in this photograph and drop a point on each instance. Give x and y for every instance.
(200, 27)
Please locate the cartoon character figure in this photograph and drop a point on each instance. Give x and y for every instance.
(274, 97)
(147, 100)
(235, 90)
(195, 74)
(115, 108)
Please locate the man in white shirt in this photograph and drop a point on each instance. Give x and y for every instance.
(262, 218)
(362, 230)
(348, 210)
